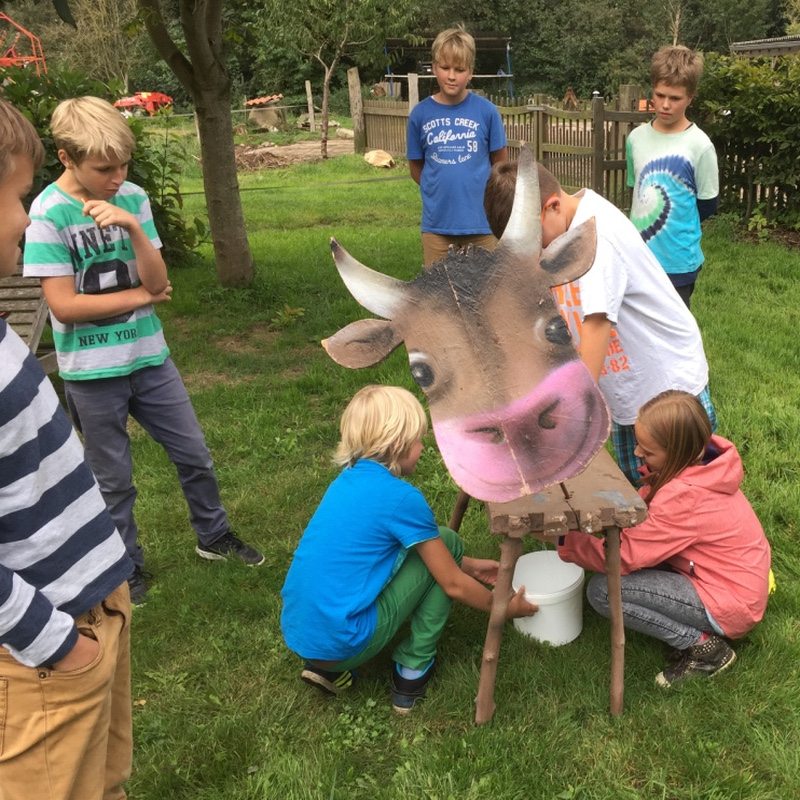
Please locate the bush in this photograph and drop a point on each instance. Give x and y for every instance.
(155, 165)
(751, 110)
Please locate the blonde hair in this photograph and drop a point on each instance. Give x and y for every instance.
(498, 198)
(677, 65)
(88, 127)
(454, 44)
(380, 423)
(679, 424)
(18, 137)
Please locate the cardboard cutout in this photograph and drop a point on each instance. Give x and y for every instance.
(513, 408)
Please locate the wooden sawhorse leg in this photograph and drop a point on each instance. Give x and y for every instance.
(617, 626)
(510, 551)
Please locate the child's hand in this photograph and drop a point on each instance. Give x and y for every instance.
(105, 214)
(519, 606)
(82, 654)
(161, 296)
(482, 569)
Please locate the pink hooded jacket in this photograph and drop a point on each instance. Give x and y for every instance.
(702, 525)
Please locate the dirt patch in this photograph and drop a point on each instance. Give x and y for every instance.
(269, 156)
(788, 237)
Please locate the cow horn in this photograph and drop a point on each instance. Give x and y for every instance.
(378, 293)
(523, 234)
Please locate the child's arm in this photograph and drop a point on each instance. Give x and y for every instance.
(415, 165)
(498, 156)
(460, 586)
(69, 307)
(149, 263)
(595, 336)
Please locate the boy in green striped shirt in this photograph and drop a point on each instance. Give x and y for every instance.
(93, 243)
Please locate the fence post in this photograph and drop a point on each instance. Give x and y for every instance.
(598, 141)
(357, 111)
(413, 90)
(310, 100)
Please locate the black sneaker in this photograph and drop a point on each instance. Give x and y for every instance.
(328, 682)
(229, 546)
(138, 586)
(406, 691)
(710, 657)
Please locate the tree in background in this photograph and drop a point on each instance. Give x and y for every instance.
(328, 31)
(203, 71)
(106, 45)
(793, 13)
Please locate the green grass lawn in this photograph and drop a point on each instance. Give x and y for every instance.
(220, 711)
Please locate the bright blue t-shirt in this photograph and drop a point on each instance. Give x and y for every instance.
(456, 143)
(353, 545)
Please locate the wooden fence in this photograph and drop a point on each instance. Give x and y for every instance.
(584, 147)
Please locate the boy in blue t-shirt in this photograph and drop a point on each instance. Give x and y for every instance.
(454, 137)
(672, 166)
(372, 556)
(93, 243)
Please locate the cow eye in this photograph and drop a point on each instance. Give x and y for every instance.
(422, 373)
(557, 331)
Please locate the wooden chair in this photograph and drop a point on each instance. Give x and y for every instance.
(598, 501)
(23, 306)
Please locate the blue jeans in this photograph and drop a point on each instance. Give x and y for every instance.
(157, 399)
(413, 593)
(658, 603)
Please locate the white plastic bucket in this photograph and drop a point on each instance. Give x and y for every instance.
(557, 588)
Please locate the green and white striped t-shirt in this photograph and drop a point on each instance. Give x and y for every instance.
(61, 241)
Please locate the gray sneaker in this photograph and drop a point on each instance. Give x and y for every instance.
(230, 546)
(710, 657)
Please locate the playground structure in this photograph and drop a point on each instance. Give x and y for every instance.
(19, 47)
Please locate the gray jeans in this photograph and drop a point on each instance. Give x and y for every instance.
(157, 399)
(656, 602)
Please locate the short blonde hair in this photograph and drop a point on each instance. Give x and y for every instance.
(87, 127)
(18, 137)
(678, 423)
(677, 65)
(498, 197)
(454, 44)
(380, 423)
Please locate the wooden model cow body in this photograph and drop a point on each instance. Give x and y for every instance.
(513, 408)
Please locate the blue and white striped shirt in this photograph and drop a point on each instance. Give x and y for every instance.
(60, 553)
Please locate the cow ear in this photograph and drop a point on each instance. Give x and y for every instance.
(362, 343)
(570, 255)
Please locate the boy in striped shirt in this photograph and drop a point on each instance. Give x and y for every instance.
(93, 243)
(65, 697)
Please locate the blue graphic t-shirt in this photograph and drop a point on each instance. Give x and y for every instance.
(455, 142)
(669, 173)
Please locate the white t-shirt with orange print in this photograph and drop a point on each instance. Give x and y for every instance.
(655, 342)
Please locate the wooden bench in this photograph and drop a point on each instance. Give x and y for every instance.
(23, 306)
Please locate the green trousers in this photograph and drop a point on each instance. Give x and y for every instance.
(412, 594)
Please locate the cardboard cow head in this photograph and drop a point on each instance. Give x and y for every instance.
(513, 408)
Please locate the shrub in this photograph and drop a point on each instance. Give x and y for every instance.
(751, 110)
(155, 165)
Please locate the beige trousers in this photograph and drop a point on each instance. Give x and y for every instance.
(435, 245)
(68, 735)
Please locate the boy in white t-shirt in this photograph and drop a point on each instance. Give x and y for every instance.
(632, 330)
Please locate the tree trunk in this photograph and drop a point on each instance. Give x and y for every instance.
(234, 261)
(204, 74)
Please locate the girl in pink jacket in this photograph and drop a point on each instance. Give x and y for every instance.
(697, 569)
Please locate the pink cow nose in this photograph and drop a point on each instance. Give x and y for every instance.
(533, 442)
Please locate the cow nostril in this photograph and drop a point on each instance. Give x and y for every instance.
(546, 420)
(496, 436)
